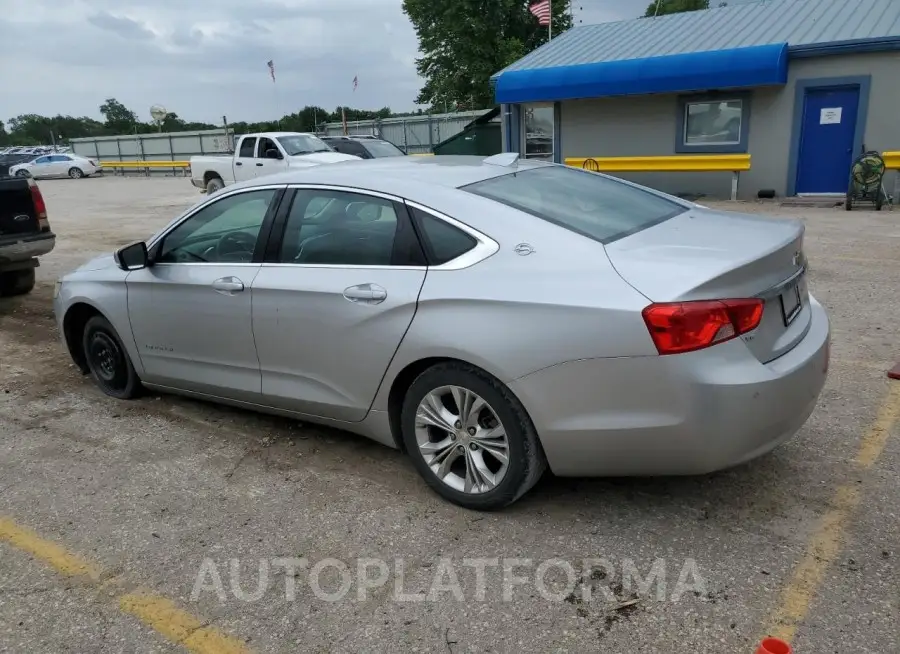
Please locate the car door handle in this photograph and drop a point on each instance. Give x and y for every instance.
(238, 163)
(365, 294)
(228, 285)
(259, 164)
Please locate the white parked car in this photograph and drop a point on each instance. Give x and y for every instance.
(56, 165)
(258, 155)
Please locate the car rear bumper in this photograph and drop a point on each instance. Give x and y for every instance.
(675, 415)
(26, 247)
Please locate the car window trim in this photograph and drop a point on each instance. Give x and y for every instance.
(277, 232)
(264, 231)
(484, 248)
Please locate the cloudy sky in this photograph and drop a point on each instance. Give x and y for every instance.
(206, 58)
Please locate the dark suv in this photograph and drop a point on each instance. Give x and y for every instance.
(366, 147)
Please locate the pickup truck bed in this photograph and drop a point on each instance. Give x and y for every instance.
(24, 234)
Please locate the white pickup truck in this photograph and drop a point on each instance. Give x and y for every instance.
(262, 154)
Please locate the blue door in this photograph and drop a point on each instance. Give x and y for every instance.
(826, 139)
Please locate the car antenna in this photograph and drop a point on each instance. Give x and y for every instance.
(505, 159)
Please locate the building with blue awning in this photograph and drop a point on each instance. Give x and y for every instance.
(801, 85)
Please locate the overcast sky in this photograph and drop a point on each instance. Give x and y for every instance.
(205, 58)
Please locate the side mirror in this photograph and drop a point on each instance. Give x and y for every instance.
(133, 257)
(272, 153)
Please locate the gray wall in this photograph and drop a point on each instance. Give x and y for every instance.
(175, 146)
(416, 134)
(646, 125)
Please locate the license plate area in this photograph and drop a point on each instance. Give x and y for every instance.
(791, 303)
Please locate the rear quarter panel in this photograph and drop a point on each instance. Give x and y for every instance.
(511, 314)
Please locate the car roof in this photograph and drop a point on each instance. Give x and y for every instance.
(397, 175)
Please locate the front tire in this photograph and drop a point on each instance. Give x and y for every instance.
(16, 282)
(470, 437)
(76, 173)
(22, 173)
(108, 360)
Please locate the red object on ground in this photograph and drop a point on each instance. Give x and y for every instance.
(894, 373)
(773, 646)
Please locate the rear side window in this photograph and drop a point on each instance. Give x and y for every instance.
(590, 204)
(248, 146)
(443, 241)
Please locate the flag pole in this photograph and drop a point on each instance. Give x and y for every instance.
(550, 22)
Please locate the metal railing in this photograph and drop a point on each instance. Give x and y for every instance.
(690, 163)
(119, 167)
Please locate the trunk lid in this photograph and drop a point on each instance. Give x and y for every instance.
(708, 255)
(17, 214)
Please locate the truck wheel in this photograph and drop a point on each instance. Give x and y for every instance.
(213, 185)
(22, 173)
(16, 282)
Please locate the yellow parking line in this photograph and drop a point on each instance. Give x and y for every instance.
(825, 544)
(158, 613)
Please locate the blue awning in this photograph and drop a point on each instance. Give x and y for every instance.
(761, 65)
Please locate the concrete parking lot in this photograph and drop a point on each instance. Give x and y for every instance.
(166, 525)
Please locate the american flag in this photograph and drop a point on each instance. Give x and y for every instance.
(541, 9)
(271, 65)
(355, 81)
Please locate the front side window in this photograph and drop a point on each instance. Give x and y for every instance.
(42, 160)
(537, 134)
(596, 206)
(225, 231)
(339, 228)
(713, 122)
(265, 144)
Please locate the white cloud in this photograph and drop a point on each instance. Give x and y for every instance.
(206, 58)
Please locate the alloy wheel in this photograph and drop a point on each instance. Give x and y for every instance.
(462, 440)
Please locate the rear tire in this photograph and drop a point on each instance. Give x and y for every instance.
(76, 173)
(16, 282)
(108, 360)
(472, 444)
(213, 185)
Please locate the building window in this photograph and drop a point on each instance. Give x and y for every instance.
(537, 135)
(713, 124)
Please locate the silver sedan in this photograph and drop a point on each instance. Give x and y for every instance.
(491, 317)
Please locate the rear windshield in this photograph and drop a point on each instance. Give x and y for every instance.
(595, 206)
(383, 149)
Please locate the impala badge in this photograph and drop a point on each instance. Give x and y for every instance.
(524, 249)
(20, 218)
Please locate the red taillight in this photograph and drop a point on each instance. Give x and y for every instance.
(40, 207)
(687, 326)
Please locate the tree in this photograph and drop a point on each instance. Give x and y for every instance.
(119, 118)
(677, 6)
(464, 42)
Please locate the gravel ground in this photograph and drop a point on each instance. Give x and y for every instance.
(162, 489)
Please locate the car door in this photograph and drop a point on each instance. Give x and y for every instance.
(41, 167)
(190, 310)
(264, 165)
(60, 164)
(333, 299)
(244, 162)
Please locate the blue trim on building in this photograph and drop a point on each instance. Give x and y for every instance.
(864, 82)
(763, 65)
(707, 148)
